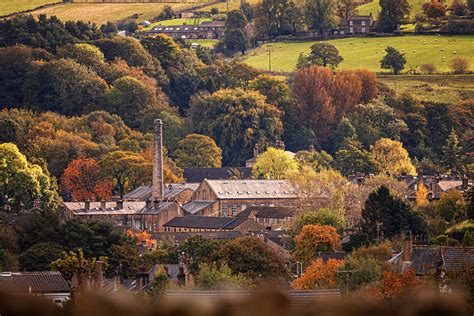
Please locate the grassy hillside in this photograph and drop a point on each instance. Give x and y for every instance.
(374, 7)
(12, 6)
(230, 4)
(177, 22)
(367, 52)
(103, 12)
(440, 88)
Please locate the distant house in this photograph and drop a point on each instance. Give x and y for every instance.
(249, 163)
(205, 30)
(209, 224)
(269, 216)
(197, 175)
(356, 24)
(436, 185)
(50, 285)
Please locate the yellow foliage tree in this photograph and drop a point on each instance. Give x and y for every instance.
(274, 164)
(421, 195)
(391, 158)
(319, 275)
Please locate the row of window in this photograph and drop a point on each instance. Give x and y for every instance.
(352, 22)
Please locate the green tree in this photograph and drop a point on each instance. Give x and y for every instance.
(200, 249)
(159, 283)
(75, 263)
(323, 54)
(325, 216)
(360, 272)
(318, 160)
(63, 86)
(39, 256)
(392, 14)
(22, 183)
(393, 59)
(275, 90)
(235, 35)
(346, 8)
(252, 258)
(162, 47)
(85, 54)
(273, 164)
(294, 17)
(236, 120)
(271, 18)
(198, 151)
(352, 158)
(451, 206)
(320, 15)
(126, 169)
(215, 277)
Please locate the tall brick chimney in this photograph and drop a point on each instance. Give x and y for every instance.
(158, 185)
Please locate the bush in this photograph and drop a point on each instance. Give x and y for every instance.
(428, 68)
(461, 27)
(459, 65)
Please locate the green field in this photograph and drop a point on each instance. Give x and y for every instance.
(367, 52)
(12, 6)
(203, 42)
(374, 7)
(440, 88)
(100, 13)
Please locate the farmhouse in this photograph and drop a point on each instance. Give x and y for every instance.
(356, 24)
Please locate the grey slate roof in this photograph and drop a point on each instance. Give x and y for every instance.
(39, 282)
(182, 236)
(206, 222)
(252, 189)
(195, 206)
(143, 192)
(325, 256)
(195, 175)
(424, 259)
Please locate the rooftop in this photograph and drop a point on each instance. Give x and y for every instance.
(144, 192)
(457, 258)
(34, 282)
(252, 189)
(268, 212)
(206, 222)
(195, 206)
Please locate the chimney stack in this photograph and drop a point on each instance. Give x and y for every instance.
(99, 274)
(465, 183)
(158, 185)
(87, 204)
(255, 151)
(407, 247)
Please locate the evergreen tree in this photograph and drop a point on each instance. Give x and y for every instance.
(452, 151)
(394, 60)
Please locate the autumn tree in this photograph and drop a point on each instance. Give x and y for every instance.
(393, 59)
(23, 184)
(451, 206)
(76, 264)
(82, 180)
(236, 120)
(126, 169)
(395, 284)
(352, 158)
(313, 239)
(434, 9)
(272, 88)
(393, 13)
(390, 157)
(421, 195)
(318, 275)
(198, 151)
(273, 164)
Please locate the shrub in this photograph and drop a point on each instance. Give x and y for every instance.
(465, 26)
(428, 68)
(459, 65)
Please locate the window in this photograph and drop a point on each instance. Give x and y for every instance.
(363, 30)
(351, 30)
(351, 22)
(224, 210)
(363, 22)
(243, 207)
(234, 209)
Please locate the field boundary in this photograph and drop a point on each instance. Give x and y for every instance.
(33, 9)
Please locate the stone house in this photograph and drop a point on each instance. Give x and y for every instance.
(205, 30)
(270, 217)
(356, 24)
(230, 197)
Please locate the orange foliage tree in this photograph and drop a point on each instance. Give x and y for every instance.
(323, 97)
(83, 180)
(396, 284)
(142, 237)
(313, 239)
(319, 275)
